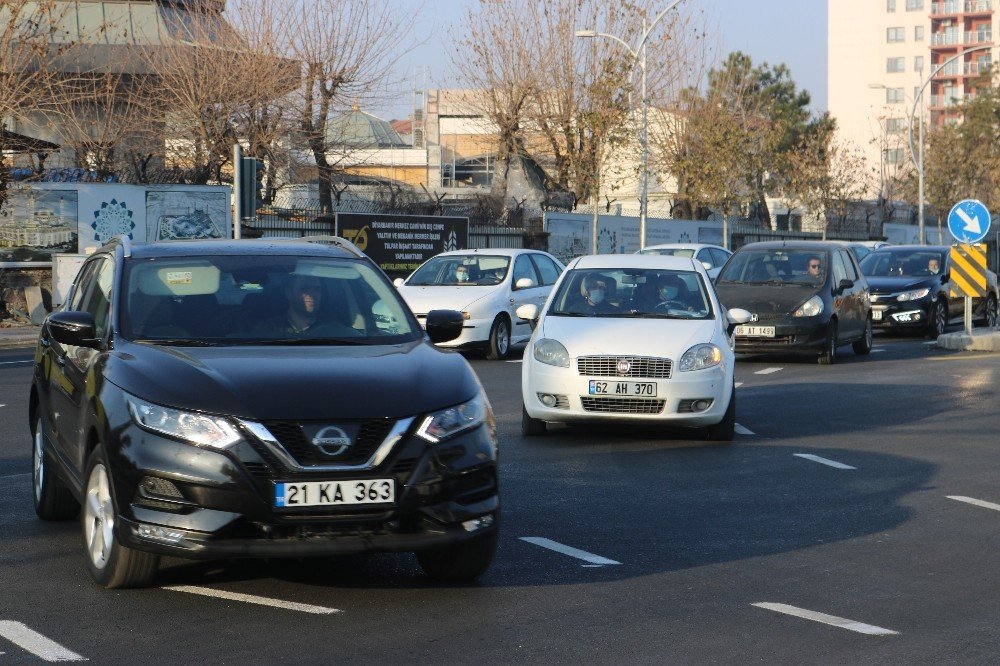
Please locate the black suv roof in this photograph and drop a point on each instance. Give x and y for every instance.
(188, 248)
(793, 245)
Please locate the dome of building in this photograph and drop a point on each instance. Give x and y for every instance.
(358, 129)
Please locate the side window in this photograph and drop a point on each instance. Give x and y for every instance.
(98, 299)
(839, 271)
(705, 255)
(524, 269)
(852, 273)
(82, 285)
(721, 257)
(546, 268)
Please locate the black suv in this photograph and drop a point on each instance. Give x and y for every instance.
(206, 399)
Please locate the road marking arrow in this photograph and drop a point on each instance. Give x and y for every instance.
(971, 223)
(35, 643)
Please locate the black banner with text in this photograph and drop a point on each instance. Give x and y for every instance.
(400, 243)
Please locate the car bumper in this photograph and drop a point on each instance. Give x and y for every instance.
(577, 405)
(901, 315)
(475, 334)
(808, 336)
(444, 494)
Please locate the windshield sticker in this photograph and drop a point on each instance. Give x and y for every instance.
(179, 277)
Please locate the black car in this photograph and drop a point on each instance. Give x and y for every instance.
(221, 399)
(805, 297)
(910, 290)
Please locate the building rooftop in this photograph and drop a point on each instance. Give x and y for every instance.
(359, 129)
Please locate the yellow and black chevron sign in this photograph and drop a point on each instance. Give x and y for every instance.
(968, 270)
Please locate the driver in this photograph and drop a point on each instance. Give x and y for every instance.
(673, 293)
(933, 266)
(462, 274)
(594, 288)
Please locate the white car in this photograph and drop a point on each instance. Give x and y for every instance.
(639, 338)
(495, 284)
(712, 257)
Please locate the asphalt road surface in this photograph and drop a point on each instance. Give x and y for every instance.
(856, 519)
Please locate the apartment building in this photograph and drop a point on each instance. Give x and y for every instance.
(880, 54)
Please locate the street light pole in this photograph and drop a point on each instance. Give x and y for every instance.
(638, 58)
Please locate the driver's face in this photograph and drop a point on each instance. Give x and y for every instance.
(305, 295)
(814, 266)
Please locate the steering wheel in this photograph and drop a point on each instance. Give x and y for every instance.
(672, 305)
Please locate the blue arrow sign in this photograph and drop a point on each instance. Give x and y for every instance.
(969, 221)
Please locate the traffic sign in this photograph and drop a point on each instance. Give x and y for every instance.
(968, 271)
(968, 221)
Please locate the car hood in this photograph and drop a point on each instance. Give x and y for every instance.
(764, 298)
(894, 284)
(590, 336)
(424, 299)
(295, 383)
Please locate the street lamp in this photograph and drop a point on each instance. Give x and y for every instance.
(638, 58)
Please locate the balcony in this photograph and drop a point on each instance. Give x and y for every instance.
(945, 8)
(946, 39)
(977, 68)
(979, 37)
(951, 70)
(978, 6)
(945, 101)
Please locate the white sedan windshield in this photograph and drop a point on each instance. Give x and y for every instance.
(632, 292)
(461, 270)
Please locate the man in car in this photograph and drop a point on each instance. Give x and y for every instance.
(305, 300)
(673, 293)
(815, 269)
(462, 274)
(595, 292)
(933, 266)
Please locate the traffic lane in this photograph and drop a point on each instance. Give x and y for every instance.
(15, 440)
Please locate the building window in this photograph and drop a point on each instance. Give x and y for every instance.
(895, 64)
(895, 125)
(895, 35)
(918, 33)
(894, 156)
(918, 63)
(893, 95)
(890, 5)
(914, 5)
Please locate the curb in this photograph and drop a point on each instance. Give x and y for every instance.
(984, 339)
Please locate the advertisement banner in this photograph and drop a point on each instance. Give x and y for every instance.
(400, 243)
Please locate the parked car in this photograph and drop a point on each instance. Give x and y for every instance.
(219, 399)
(712, 257)
(794, 307)
(911, 286)
(494, 285)
(632, 338)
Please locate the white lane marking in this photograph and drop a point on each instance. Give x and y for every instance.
(833, 620)
(15, 362)
(569, 550)
(520, 360)
(743, 431)
(738, 384)
(931, 342)
(3, 405)
(823, 461)
(15, 476)
(251, 599)
(767, 371)
(878, 351)
(35, 643)
(971, 500)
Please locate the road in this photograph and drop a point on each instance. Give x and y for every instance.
(855, 520)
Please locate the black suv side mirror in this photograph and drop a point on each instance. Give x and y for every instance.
(73, 327)
(444, 325)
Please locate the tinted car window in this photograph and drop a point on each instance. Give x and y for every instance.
(82, 285)
(721, 256)
(839, 270)
(98, 298)
(852, 273)
(705, 256)
(546, 268)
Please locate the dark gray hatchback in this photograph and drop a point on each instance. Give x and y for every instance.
(805, 297)
(258, 399)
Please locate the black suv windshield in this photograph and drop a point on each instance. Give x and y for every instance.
(260, 299)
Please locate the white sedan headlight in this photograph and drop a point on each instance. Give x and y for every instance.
(551, 352)
(201, 429)
(454, 420)
(914, 295)
(810, 308)
(700, 357)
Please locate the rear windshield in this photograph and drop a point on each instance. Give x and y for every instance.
(250, 299)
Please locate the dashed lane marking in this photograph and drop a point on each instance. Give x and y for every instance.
(743, 431)
(823, 461)
(767, 371)
(520, 360)
(33, 642)
(15, 476)
(833, 620)
(975, 502)
(738, 384)
(878, 351)
(590, 558)
(251, 599)
(15, 362)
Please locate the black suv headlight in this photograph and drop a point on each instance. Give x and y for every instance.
(449, 422)
(200, 429)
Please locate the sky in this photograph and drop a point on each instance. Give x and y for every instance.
(792, 32)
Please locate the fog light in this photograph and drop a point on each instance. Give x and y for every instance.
(547, 399)
(701, 405)
(157, 533)
(478, 523)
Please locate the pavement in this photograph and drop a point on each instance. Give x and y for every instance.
(19, 336)
(982, 339)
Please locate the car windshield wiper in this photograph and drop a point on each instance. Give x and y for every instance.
(731, 282)
(178, 342)
(290, 342)
(563, 313)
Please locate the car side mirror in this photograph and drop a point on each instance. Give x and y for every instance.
(945, 277)
(398, 282)
(73, 327)
(735, 317)
(524, 283)
(844, 285)
(444, 325)
(529, 313)
(707, 265)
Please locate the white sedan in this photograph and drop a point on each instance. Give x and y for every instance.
(487, 287)
(712, 257)
(639, 338)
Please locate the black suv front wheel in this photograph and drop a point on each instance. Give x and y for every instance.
(459, 562)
